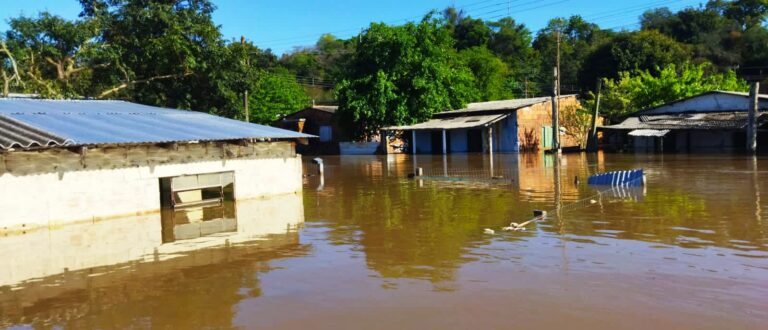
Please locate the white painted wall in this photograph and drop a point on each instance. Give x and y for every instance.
(56, 186)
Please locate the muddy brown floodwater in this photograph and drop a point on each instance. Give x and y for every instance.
(379, 251)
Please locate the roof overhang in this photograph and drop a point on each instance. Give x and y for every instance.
(462, 122)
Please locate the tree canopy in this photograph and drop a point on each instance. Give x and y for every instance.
(171, 53)
(402, 75)
(640, 89)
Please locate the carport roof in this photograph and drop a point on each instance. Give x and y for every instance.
(450, 123)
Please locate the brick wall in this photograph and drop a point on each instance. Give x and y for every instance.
(531, 119)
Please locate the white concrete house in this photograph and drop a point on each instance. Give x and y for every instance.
(65, 161)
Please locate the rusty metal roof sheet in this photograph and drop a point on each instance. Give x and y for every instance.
(47, 123)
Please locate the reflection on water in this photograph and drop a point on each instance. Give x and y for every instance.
(63, 274)
(379, 250)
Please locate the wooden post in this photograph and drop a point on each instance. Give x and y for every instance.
(490, 140)
(413, 141)
(754, 99)
(445, 144)
(592, 140)
(490, 148)
(384, 142)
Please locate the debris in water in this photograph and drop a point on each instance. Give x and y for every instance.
(489, 231)
(514, 226)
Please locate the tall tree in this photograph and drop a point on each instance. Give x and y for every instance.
(578, 38)
(632, 51)
(511, 42)
(56, 55)
(490, 73)
(402, 75)
(162, 49)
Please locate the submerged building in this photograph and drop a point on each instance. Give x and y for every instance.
(65, 161)
(500, 126)
(316, 120)
(714, 121)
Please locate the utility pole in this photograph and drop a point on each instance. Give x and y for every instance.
(592, 140)
(245, 92)
(754, 103)
(556, 101)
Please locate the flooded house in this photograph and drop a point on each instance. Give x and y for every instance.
(499, 126)
(714, 121)
(316, 120)
(72, 162)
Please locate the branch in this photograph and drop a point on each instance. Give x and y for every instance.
(14, 66)
(140, 81)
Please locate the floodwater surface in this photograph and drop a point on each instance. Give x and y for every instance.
(377, 250)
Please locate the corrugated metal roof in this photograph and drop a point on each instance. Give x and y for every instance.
(717, 120)
(715, 105)
(501, 105)
(15, 134)
(451, 123)
(31, 123)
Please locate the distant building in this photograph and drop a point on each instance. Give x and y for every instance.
(502, 126)
(84, 161)
(713, 121)
(316, 120)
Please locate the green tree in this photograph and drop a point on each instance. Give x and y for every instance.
(57, 56)
(490, 73)
(578, 39)
(163, 50)
(632, 51)
(276, 94)
(402, 75)
(511, 42)
(635, 91)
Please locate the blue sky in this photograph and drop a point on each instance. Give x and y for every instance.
(284, 24)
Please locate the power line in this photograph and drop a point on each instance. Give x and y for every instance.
(315, 36)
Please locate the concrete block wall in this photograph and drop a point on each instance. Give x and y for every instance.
(57, 186)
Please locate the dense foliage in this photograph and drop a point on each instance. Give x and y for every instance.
(402, 75)
(170, 53)
(641, 89)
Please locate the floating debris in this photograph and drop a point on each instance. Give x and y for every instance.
(633, 178)
(519, 226)
(489, 231)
